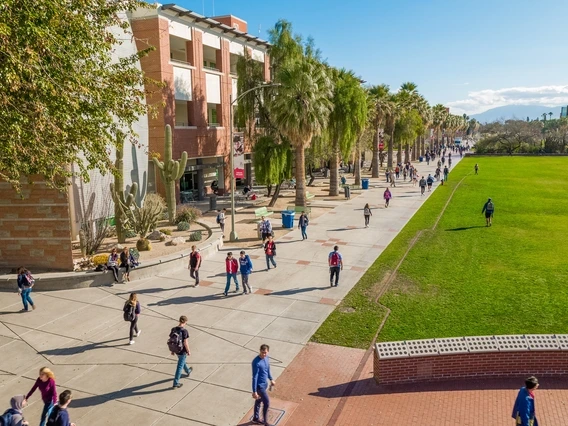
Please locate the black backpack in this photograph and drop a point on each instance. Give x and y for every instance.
(6, 418)
(54, 415)
(175, 341)
(129, 312)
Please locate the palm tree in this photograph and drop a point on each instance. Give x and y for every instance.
(381, 100)
(407, 98)
(346, 121)
(301, 110)
(439, 117)
(550, 114)
(394, 111)
(544, 116)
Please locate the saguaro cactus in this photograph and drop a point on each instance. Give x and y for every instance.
(121, 201)
(170, 171)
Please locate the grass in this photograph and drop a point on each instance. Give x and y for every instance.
(463, 278)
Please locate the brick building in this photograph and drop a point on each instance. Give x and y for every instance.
(196, 58)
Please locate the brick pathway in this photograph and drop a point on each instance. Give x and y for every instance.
(319, 376)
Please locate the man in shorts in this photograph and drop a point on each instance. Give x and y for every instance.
(488, 209)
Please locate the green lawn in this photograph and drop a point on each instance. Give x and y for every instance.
(466, 279)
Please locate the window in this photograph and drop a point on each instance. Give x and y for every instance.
(212, 115)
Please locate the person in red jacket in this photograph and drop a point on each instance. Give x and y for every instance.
(46, 384)
(232, 267)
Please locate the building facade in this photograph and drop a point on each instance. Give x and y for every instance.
(196, 58)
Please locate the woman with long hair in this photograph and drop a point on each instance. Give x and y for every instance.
(112, 263)
(25, 284)
(125, 262)
(46, 384)
(131, 311)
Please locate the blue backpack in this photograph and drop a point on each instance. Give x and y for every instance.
(6, 418)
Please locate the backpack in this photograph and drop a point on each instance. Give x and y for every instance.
(129, 312)
(218, 218)
(489, 207)
(6, 418)
(175, 342)
(334, 259)
(54, 415)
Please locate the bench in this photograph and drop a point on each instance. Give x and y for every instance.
(263, 211)
(300, 209)
(309, 196)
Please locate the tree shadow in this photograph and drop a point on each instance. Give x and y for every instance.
(341, 229)
(181, 300)
(465, 228)
(83, 348)
(295, 291)
(151, 290)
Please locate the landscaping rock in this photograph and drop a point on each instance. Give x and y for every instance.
(177, 241)
(155, 235)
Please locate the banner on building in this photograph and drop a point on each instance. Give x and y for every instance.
(381, 139)
(239, 155)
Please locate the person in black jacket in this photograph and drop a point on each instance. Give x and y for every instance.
(125, 263)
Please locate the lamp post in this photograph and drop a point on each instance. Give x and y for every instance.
(233, 236)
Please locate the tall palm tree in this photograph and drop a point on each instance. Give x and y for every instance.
(346, 120)
(408, 97)
(544, 116)
(301, 110)
(381, 100)
(550, 114)
(394, 111)
(439, 117)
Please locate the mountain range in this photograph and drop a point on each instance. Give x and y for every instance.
(520, 112)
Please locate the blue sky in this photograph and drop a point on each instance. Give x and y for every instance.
(470, 55)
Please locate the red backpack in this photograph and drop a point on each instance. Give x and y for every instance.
(335, 259)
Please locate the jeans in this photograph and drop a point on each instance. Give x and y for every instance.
(133, 327)
(181, 365)
(26, 298)
(367, 219)
(265, 400)
(114, 270)
(334, 270)
(304, 234)
(194, 273)
(229, 276)
(245, 279)
(47, 407)
(222, 226)
(126, 267)
(270, 258)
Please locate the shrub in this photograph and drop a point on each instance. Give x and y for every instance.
(166, 231)
(111, 232)
(143, 245)
(130, 233)
(183, 226)
(162, 238)
(195, 236)
(100, 259)
(187, 214)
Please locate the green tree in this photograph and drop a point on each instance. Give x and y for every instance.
(272, 162)
(439, 114)
(63, 98)
(382, 104)
(346, 120)
(408, 127)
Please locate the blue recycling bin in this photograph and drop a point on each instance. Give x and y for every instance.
(365, 183)
(288, 218)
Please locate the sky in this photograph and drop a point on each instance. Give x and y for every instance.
(468, 55)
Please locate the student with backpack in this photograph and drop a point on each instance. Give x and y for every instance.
(59, 415)
(265, 229)
(221, 220)
(488, 209)
(422, 185)
(246, 269)
(13, 416)
(335, 262)
(446, 172)
(131, 311)
(25, 284)
(270, 252)
(177, 344)
(303, 223)
(46, 384)
(194, 265)
(430, 182)
(231, 268)
(367, 214)
(387, 196)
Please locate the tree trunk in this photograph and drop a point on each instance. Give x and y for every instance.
(406, 153)
(300, 176)
(275, 196)
(423, 145)
(375, 160)
(357, 166)
(268, 190)
(390, 151)
(334, 171)
(399, 153)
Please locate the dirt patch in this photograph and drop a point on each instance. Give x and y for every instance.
(347, 310)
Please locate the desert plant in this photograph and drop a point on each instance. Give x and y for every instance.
(146, 217)
(130, 233)
(111, 232)
(143, 244)
(187, 214)
(163, 238)
(100, 259)
(165, 231)
(170, 171)
(82, 243)
(195, 236)
(183, 226)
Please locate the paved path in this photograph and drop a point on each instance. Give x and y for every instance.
(80, 334)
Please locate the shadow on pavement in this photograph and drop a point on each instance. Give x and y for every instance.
(152, 290)
(185, 299)
(295, 291)
(83, 348)
(465, 228)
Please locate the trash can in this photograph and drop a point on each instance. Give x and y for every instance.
(365, 183)
(421, 159)
(347, 191)
(258, 233)
(213, 202)
(288, 218)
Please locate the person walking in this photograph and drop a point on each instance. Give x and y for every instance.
(367, 214)
(178, 345)
(112, 263)
(262, 381)
(25, 283)
(59, 415)
(303, 223)
(446, 172)
(476, 168)
(246, 269)
(430, 182)
(270, 252)
(393, 180)
(125, 262)
(221, 220)
(14, 415)
(524, 411)
(387, 196)
(48, 389)
(232, 267)
(265, 228)
(131, 310)
(488, 209)
(335, 262)
(422, 185)
(194, 264)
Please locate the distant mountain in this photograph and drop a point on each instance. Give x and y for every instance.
(521, 112)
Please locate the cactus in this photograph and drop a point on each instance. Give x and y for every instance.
(170, 171)
(183, 226)
(83, 243)
(121, 202)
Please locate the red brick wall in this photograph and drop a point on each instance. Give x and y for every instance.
(470, 365)
(35, 230)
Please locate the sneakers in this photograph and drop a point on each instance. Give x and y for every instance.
(179, 385)
(196, 285)
(331, 284)
(33, 306)
(225, 294)
(190, 370)
(139, 333)
(131, 342)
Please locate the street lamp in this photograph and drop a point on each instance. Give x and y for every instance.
(233, 236)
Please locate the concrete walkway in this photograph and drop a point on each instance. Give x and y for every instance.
(80, 333)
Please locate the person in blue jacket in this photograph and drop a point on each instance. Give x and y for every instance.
(25, 284)
(524, 409)
(246, 269)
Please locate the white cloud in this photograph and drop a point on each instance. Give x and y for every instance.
(483, 100)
